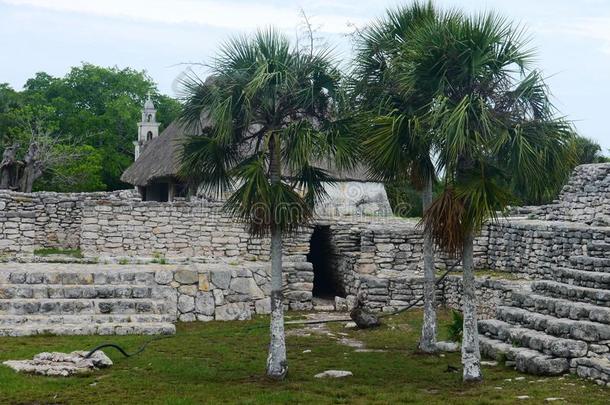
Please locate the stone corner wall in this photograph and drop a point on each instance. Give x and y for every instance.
(29, 221)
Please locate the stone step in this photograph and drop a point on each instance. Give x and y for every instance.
(581, 278)
(587, 331)
(526, 360)
(532, 339)
(589, 263)
(76, 291)
(572, 292)
(20, 306)
(560, 307)
(593, 368)
(6, 320)
(134, 328)
(90, 275)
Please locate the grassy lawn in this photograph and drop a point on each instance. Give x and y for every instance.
(225, 363)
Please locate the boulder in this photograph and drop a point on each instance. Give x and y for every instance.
(334, 374)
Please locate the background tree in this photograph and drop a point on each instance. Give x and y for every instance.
(95, 109)
(493, 129)
(264, 118)
(394, 139)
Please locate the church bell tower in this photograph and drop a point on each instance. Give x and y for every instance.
(148, 127)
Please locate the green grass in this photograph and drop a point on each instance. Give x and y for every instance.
(76, 253)
(225, 363)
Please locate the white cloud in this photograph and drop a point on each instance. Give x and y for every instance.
(595, 28)
(222, 14)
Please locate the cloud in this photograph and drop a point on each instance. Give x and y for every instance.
(596, 28)
(228, 14)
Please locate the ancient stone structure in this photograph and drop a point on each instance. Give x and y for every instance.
(552, 319)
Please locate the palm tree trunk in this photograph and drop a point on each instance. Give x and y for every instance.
(427, 343)
(471, 357)
(277, 366)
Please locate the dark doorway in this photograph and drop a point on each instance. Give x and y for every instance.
(326, 280)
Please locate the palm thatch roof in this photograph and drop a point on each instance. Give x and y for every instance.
(161, 157)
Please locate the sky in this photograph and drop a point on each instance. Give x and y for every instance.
(572, 39)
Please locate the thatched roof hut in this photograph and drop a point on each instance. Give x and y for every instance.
(159, 158)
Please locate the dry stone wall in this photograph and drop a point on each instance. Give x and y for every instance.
(196, 228)
(584, 199)
(44, 220)
(233, 291)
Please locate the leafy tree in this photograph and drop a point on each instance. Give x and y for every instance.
(493, 129)
(588, 151)
(395, 141)
(93, 106)
(265, 117)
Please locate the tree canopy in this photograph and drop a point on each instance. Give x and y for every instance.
(90, 114)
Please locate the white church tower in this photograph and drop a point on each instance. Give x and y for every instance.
(148, 127)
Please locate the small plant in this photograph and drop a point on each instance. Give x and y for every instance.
(455, 328)
(123, 260)
(76, 253)
(159, 258)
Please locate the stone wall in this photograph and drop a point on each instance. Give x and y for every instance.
(196, 228)
(43, 220)
(392, 294)
(233, 291)
(536, 248)
(584, 199)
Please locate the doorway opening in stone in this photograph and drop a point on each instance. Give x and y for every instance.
(327, 283)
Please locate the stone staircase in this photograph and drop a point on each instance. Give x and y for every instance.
(60, 299)
(560, 324)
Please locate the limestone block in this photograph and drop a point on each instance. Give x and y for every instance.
(186, 303)
(263, 306)
(221, 278)
(246, 286)
(186, 277)
(204, 303)
(234, 311)
(204, 282)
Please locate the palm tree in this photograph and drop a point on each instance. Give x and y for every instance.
(493, 129)
(394, 141)
(263, 119)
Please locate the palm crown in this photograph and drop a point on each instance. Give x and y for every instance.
(490, 120)
(265, 116)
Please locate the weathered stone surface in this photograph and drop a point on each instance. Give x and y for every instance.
(263, 306)
(164, 276)
(237, 311)
(448, 346)
(334, 374)
(186, 277)
(186, 303)
(204, 303)
(60, 364)
(221, 278)
(246, 286)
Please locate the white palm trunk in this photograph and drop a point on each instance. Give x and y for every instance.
(471, 356)
(427, 343)
(277, 366)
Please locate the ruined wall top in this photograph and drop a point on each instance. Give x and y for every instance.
(585, 198)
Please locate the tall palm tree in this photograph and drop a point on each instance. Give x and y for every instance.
(492, 126)
(395, 141)
(264, 119)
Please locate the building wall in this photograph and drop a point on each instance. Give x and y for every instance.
(43, 220)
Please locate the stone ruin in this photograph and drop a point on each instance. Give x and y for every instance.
(148, 264)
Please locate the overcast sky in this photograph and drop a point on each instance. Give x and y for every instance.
(572, 38)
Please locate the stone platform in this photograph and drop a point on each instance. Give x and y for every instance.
(82, 299)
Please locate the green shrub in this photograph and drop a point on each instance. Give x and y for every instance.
(455, 328)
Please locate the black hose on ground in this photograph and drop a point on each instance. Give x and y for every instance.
(122, 351)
